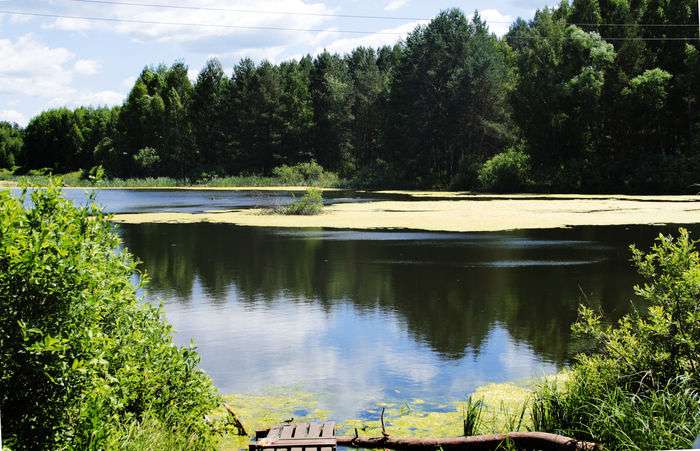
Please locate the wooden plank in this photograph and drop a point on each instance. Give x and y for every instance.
(302, 442)
(286, 433)
(274, 433)
(314, 430)
(328, 431)
(300, 432)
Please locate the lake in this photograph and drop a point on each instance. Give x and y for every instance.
(363, 317)
(366, 317)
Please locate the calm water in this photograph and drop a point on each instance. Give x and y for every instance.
(362, 317)
(197, 201)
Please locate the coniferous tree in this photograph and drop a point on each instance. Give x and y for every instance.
(207, 116)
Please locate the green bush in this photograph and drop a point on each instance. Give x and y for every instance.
(505, 172)
(82, 361)
(311, 203)
(310, 173)
(640, 388)
(147, 160)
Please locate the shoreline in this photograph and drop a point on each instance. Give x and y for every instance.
(416, 194)
(440, 211)
(459, 215)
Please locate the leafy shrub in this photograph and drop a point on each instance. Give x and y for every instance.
(640, 389)
(310, 204)
(11, 142)
(505, 172)
(80, 357)
(147, 160)
(310, 173)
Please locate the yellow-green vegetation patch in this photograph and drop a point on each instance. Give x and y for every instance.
(505, 407)
(262, 411)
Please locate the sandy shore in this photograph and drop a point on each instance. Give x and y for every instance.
(461, 215)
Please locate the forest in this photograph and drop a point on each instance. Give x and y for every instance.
(593, 96)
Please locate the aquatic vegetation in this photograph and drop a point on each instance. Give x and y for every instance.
(640, 388)
(459, 215)
(310, 204)
(502, 407)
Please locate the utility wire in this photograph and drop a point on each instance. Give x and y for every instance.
(245, 11)
(271, 28)
(186, 24)
(293, 13)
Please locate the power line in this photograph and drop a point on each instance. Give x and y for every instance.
(244, 11)
(353, 16)
(271, 28)
(187, 24)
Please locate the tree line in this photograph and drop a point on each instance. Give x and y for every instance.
(568, 101)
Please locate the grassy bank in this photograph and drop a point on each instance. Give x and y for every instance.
(303, 174)
(75, 180)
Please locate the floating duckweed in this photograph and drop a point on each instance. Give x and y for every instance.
(506, 408)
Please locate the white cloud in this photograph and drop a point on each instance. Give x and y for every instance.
(498, 23)
(13, 116)
(108, 98)
(67, 24)
(393, 5)
(32, 68)
(225, 15)
(128, 82)
(274, 54)
(87, 67)
(98, 98)
(383, 37)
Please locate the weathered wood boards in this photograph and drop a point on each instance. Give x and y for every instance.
(321, 437)
(297, 437)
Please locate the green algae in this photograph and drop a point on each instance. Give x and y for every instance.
(506, 407)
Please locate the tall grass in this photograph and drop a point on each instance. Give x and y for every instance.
(668, 418)
(311, 203)
(302, 174)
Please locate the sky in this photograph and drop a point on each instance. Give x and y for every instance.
(48, 62)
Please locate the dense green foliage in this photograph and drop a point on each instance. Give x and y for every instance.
(596, 107)
(10, 144)
(83, 363)
(65, 140)
(506, 172)
(640, 388)
(311, 203)
(310, 173)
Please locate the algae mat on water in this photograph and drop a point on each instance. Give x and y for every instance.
(506, 407)
(456, 215)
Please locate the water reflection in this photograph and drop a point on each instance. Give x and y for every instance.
(197, 201)
(367, 316)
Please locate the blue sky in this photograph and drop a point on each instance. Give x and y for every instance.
(48, 62)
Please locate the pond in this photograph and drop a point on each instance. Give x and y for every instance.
(365, 317)
(201, 200)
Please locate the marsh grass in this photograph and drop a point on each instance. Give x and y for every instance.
(668, 418)
(310, 204)
(472, 416)
(302, 174)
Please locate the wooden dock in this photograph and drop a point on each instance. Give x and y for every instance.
(297, 437)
